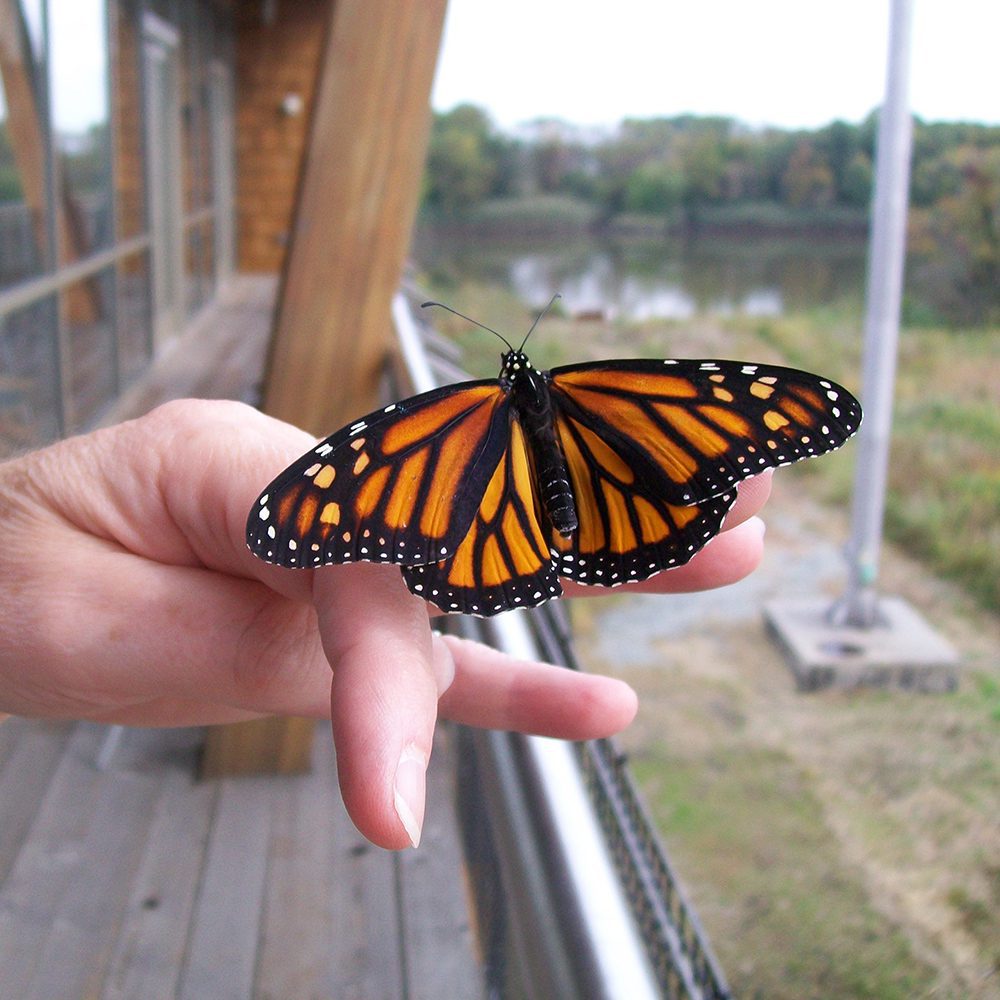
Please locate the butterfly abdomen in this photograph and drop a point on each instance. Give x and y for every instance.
(533, 406)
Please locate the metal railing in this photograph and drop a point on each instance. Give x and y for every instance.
(575, 895)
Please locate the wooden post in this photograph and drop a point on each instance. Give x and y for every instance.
(357, 201)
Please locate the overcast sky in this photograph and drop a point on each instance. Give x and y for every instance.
(793, 63)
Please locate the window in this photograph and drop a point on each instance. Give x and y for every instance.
(84, 277)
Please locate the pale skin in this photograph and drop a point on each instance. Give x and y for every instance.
(129, 596)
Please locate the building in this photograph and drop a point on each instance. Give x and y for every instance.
(148, 149)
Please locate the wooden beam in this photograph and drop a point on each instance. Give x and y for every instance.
(357, 201)
(262, 746)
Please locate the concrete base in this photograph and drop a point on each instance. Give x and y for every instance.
(902, 651)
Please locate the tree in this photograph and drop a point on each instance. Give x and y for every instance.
(808, 181)
(656, 187)
(466, 161)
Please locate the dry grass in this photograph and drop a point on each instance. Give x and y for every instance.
(837, 843)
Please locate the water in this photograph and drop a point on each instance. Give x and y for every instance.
(651, 279)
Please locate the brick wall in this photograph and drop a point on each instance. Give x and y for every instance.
(272, 61)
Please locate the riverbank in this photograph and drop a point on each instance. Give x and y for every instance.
(543, 215)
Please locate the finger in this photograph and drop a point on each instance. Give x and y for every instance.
(496, 691)
(726, 559)
(384, 696)
(751, 495)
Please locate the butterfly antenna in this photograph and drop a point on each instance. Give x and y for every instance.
(469, 319)
(538, 319)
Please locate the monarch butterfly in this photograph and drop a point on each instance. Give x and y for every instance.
(487, 492)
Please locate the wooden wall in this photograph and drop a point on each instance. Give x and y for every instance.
(273, 60)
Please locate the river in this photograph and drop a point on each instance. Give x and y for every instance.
(644, 279)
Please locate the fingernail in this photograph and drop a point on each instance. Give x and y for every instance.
(409, 789)
(760, 524)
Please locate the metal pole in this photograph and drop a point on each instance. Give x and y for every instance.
(859, 606)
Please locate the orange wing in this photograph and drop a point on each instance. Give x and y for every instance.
(654, 449)
(401, 485)
(504, 561)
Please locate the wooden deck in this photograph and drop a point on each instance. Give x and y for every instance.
(140, 882)
(219, 356)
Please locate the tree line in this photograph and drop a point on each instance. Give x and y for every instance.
(690, 171)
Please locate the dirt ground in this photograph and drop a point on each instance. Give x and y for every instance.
(835, 843)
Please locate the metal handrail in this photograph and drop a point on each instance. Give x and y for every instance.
(593, 907)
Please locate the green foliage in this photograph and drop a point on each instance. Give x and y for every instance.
(956, 238)
(689, 171)
(655, 188)
(467, 161)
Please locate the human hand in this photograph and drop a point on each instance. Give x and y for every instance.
(129, 596)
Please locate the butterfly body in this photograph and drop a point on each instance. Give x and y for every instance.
(486, 493)
(532, 404)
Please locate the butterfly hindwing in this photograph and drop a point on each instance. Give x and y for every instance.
(627, 531)
(384, 488)
(503, 562)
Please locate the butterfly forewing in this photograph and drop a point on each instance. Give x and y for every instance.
(384, 489)
(706, 425)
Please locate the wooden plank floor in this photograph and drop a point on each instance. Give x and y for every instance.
(219, 356)
(140, 882)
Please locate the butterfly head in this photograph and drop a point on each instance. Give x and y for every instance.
(513, 363)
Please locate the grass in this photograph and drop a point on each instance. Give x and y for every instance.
(943, 501)
(841, 844)
(756, 803)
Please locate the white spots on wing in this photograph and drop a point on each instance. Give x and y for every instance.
(324, 449)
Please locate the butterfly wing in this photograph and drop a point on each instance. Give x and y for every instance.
(503, 562)
(655, 448)
(401, 485)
